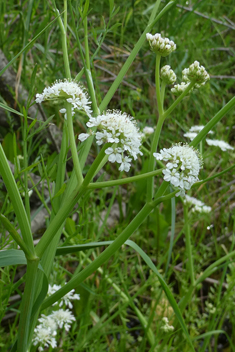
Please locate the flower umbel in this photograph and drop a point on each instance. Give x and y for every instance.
(69, 91)
(183, 166)
(168, 75)
(119, 128)
(70, 296)
(197, 205)
(212, 142)
(195, 73)
(162, 46)
(45, 337)
(180, 88)
(63, 318)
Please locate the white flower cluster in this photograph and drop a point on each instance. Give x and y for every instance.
(70, 296)
(160, 45)
(118, 128)
(197, 205)
(180, 88)
(192, 133)
(221, 144)
(195, 73)
(166, 327)
(44, 336)
(168, 75)
(70, 91)
(212, 142)
(183, 166)
(147, 131)
(45, 332)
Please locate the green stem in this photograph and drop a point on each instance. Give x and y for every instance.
(178, 100)
(108, 252)
(213, 177)
(133, 54)
(73, 146)
(102, 258)
(157, 82)
(64, 43)
(88, 65)
(16, 201)
(58, 220)
(213, 122)
(9, 227)
(25, 154)
(188, 246)
(163, 87)
(65, 16)
(152, 160)
(124, 180)
(27, 304)
(68, 205)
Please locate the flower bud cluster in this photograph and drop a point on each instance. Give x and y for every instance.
(178, 89)
(183, 166)
(162, 46)
(69, 91)
(197, 205)
(166, 327)
(168, 75)
(195, 73)
(118, 128)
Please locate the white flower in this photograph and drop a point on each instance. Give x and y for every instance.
(148, 130)
(53, 289)
(83, 136)
(168, 75)
(221, 144)
(190, 135)
(195, 73)
(45, 337)
(67, 90)
(71, 295)
(198, 129)
(63, 318)
(197, 205)
(119, 128)
(183, 166)
(160, 45)
(180, 88)
(48, 322)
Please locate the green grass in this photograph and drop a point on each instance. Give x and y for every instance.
(105, 321)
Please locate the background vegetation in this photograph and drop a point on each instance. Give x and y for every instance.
(106, 320)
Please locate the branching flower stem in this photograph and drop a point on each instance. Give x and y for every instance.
(124, 181)
(76, 162)
(108, 252)
(158, 88)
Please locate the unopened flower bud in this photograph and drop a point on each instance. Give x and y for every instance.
(160, 45)
(180, 88)
(196, 73)
(168, 75)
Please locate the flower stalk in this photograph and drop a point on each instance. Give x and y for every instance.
(188, 245)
